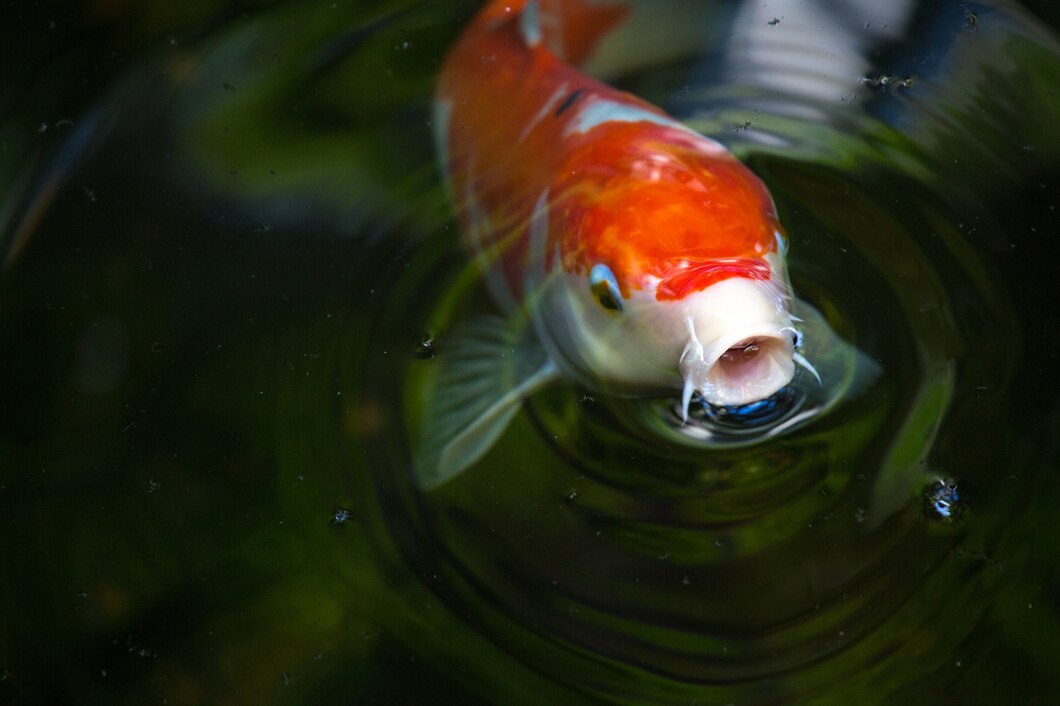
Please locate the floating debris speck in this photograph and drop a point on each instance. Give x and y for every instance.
(426, 347)
(884, 81)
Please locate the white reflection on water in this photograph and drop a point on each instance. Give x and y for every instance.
(815, 49)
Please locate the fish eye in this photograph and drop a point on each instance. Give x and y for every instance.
(605, 287)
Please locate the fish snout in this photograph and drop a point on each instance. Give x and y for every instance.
(741, 344)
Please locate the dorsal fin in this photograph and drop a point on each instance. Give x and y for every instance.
(530, 23)
(570, 28)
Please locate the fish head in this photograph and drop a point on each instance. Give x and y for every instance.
(732, 341)
(672, 277)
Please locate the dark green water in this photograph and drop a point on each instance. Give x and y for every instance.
(226, 246)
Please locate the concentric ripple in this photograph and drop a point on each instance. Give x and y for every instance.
(771, 554)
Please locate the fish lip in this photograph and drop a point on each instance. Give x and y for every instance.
(699, 365)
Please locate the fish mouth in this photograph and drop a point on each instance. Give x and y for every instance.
(741, 343)
(737, 369)
(751, 369)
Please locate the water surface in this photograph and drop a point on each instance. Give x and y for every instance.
(223, 255)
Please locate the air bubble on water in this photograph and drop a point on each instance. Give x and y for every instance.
(942, 500)
(426, 347)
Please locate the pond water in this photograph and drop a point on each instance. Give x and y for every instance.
(229, 266)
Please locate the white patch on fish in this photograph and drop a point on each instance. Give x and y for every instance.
(596, 111)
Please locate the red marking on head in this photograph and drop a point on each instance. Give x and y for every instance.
(698, 276)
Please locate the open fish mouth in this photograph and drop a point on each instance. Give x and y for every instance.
(751, 369)
(738, 369)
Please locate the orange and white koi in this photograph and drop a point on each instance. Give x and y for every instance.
(644, 255)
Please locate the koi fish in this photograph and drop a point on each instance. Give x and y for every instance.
(628, 252)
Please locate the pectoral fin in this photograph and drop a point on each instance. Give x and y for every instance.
(483, 372)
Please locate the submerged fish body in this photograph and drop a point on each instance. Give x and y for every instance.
(639, 256)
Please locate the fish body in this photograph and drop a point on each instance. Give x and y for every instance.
(638, 237)
(645, 258)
